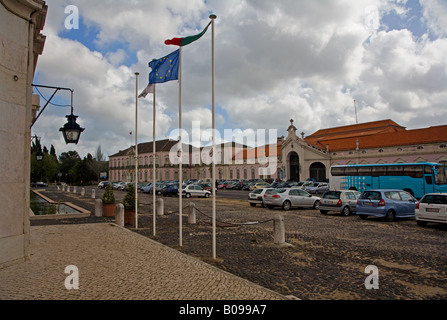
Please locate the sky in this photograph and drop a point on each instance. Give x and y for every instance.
(324, 63)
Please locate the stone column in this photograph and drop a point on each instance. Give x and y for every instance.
(119, 214)
(160, 207)
(98, 208)
(279, 231)
(192, 213)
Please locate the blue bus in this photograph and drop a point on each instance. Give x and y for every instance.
(416, 178)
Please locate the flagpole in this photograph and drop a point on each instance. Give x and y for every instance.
(136, 149)
(213, 186)
(154, 190)
(181, 149)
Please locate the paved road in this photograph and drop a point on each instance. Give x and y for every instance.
(329, 253)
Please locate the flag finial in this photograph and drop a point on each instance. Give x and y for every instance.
(213, 16)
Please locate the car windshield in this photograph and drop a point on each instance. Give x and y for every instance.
(332, 195)
(371, 195)
(435, 198)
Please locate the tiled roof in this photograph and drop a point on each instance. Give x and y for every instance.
(146, 147)
(386, 138)
(355, 130)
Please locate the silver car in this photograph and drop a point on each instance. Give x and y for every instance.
(291, 197)
(194, 190)
(343, 201)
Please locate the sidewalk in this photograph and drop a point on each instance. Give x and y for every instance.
(117, 264)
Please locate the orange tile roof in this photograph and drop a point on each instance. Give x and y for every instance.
(355, 130)
(384, 139)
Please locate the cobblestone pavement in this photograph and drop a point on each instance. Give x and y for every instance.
(117, 264)
(328, 256)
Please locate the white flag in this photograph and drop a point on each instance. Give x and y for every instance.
(149, 89)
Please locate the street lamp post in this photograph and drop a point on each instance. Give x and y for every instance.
(71, 130)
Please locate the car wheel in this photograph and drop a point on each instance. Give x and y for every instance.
(317, 205)
(188, 195)
(390, 216)
(286, 205)
(253, 204)
(323, 211)
(264, 205)
(207, 195)
(346, 211)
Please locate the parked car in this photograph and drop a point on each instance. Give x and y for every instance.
(194, 190)
(170, 190)
(386, 203)
(317, 187)
(431, 208)
(301, 184)
(291, 197)
(207, 186)
(103, 184)
(257, 196)
(259, 185)
(146, 188)
(224, 185)
(342, 201)
(39, 184)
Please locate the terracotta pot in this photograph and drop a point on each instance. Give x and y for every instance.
(108, 209)
(129, 217)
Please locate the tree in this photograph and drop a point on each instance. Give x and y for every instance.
(67, 162)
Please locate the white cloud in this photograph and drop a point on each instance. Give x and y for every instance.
(274, 61)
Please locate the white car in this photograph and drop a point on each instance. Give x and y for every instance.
(194, 190)
(257, 196)
(431, 208)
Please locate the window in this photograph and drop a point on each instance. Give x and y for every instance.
(413, 171)
(393, 195)
(437, 199)
(338, 171)
(332, 195)
(364, 171)
(395, 171)
(350, 196)
(406, 196)
(371, 195)
(293, 192)
(351, 171)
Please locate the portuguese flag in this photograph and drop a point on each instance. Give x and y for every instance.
(186, 40)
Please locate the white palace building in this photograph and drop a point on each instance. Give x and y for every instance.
(295, 157)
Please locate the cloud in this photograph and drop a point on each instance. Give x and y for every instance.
(274, 61)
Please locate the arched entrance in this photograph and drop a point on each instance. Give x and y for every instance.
(317, 171)
(294, 166)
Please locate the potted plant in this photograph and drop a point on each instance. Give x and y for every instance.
(129, 205)
(108, 202)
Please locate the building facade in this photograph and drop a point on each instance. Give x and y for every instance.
(295, 157)
(20, 24)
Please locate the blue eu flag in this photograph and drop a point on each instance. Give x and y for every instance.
(165, 69)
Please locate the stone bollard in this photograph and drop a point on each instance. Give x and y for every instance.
(93, 193)
(74, 190)
(279, 232)
(63, 187)
(82, 191)
(119, 214)
(160, 207)
(98, 208)
(58, 188)
(68, 188)
(192, 213)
